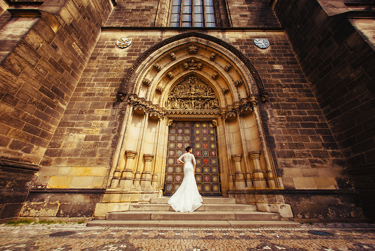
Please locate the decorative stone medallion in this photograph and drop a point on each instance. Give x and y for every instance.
(124, 42)
(262, 43)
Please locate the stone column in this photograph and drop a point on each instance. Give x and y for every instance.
(155, 181)
(137, 179)
(258, 176)
(127, 175)
(240, 181)
(116, 178)
(230, 181)
(146, 174)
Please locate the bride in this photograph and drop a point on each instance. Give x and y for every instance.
(187, 197)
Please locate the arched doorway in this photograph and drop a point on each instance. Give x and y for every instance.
(163, 94)
(191, 93)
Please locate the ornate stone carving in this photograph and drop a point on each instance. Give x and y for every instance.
(193, 49)
(157, 67)
(146, 82)
(155, 115)
(170, 122)
(227, 67)
(191, 94)
(229, 115)
(139, 109)
(173, 56)
(192, 65)
(212, 56)
(121, 96)
(215, 76)
(160, 89)
(124, 42)
(253, 100)
(141, 106)
(214, 122)
(238, 82)
(264, 96)
(231, 48)
(170, 75)
(225, 90)
(245, 109)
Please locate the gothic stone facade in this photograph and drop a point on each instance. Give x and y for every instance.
(91, 91)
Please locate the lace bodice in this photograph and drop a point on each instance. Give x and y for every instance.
(187, 157)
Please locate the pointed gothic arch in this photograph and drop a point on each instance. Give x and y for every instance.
(142, 149)
(131, 73)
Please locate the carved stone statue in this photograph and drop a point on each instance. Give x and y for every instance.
(192, 93)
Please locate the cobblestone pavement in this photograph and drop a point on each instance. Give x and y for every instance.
(79, 237)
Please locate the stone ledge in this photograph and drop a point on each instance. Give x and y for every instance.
(297, 191)
(18, 165)
(67, 190)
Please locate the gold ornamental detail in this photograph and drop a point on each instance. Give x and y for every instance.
(192, 94)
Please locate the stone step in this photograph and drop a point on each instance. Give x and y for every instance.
(178, 223)
(194, 216)
(204, 207)
(206, 200)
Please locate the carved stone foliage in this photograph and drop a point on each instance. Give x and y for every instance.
(142, 107)
(215, 76)
(170, 75)
(238, 82)
(192, 65)
(147, 53)
(146, 82)
(192, 94)
(193, 49)
(157, 67)
(229, 115)
(227, 67)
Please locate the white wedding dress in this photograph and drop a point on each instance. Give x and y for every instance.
(187, 197)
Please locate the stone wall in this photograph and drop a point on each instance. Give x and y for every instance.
(304, 151)
(15, 182)
(136, 13)
(242, 13)
(42, 59)
(252, 13)
(4, 14)
(39, 75)
(337, 56)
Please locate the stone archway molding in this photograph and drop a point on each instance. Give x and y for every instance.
(124, 87)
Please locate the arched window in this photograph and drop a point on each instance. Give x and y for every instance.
(192, 13)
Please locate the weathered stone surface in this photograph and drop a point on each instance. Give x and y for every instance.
(39, 209)
(284, 210)
(337, 56)
(38, 76)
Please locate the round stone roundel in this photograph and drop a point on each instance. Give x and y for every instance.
(261, 43)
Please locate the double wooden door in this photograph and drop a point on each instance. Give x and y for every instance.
(202, 137)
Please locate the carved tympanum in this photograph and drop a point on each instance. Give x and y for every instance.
(192, 93)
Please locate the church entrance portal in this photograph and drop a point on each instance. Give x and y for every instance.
(202, 137)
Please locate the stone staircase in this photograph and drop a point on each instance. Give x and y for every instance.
(215, 212)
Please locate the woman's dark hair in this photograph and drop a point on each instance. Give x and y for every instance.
(188, 148)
